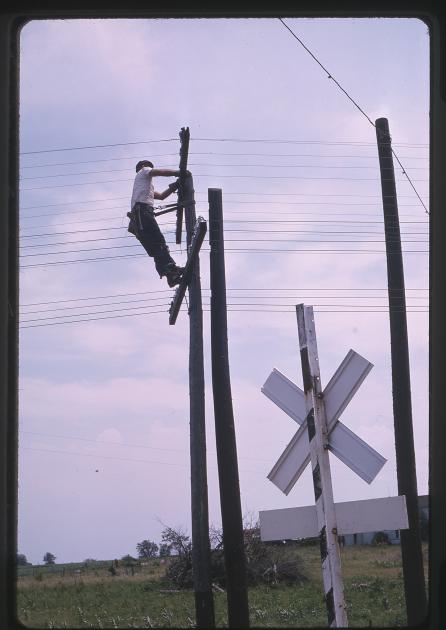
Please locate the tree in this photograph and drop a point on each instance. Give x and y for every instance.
(49, 558)
(164, 550)
(128, 560)
(90, 562)
(381, 538)
(176, 540)
(21, 560)
(147, 549)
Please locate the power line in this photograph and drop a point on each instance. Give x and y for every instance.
(126, 308)
(93, 319)
(229, 240)
(232, 165)
(242, 192)
(66, 308)
(231, 251)
(228, 212)
(101, 297)
(262, 177)
(230, 221)
(241, 140)
(327, 142)
(354, 103)
(123, 459)
(97, 146)
(158, 448)
(339, 309)
(232, 297)
(294, 289)
(299, 232)
(219, 153)
(335, 217)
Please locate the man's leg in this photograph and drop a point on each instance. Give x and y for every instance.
(153, 241)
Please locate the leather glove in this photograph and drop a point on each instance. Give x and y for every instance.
(174, 186)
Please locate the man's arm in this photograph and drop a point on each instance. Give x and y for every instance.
(164, 172)
(168, 191)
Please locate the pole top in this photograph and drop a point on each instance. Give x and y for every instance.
(382, 122)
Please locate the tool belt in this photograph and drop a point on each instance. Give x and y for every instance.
(135, 226)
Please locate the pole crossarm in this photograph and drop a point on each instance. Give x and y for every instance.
(195, 246)
(184, 152)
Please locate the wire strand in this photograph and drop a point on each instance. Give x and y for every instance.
(330, 76)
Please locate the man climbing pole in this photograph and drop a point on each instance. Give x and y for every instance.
(143, 223)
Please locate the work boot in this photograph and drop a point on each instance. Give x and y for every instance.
(173, 278)
(174, 268)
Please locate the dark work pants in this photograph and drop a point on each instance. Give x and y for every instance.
(151, 237)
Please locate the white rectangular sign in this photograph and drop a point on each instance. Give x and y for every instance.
(353, 517)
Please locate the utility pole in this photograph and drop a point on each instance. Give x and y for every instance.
(201, 554)
(317, 428)
(411, 550)
(231, 512)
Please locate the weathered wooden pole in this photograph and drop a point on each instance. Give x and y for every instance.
(320, 465)
(201, 555)
(411, 550)
(231, 511)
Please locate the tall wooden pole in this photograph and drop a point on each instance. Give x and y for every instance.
(414, 585)
(231, 511)
(320, 466)
(201, 555)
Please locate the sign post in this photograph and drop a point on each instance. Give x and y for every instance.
(317, 428)
(318, 412)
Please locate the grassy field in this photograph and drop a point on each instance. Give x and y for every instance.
(97, 599)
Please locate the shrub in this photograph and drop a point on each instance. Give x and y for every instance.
(381, 538)
(265, 564)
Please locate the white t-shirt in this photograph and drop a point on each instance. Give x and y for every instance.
(143, 190)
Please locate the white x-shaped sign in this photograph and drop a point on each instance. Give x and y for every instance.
(345, 444)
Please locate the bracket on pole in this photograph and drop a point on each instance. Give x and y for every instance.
(184, 151)
(175, 206)
(196, 242)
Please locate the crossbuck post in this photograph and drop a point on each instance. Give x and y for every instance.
(320, 464)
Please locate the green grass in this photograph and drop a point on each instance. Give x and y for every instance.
(372, 579)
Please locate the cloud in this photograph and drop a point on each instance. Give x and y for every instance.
(98, 402)
(118, 388)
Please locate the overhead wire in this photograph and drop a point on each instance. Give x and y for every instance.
(125, 444)
(270, 297)
(262, 177)
(330, 76)
(241, 140)
(219, 153)
(231, 289)
(229, 250)
(266, 166)
(290, 308)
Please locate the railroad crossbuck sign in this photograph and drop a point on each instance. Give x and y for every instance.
(320, 431)
(342, 442)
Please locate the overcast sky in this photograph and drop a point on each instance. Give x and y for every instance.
(104, 404)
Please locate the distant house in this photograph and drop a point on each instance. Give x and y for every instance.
(366, 538)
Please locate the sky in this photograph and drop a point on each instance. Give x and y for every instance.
(103, 377)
